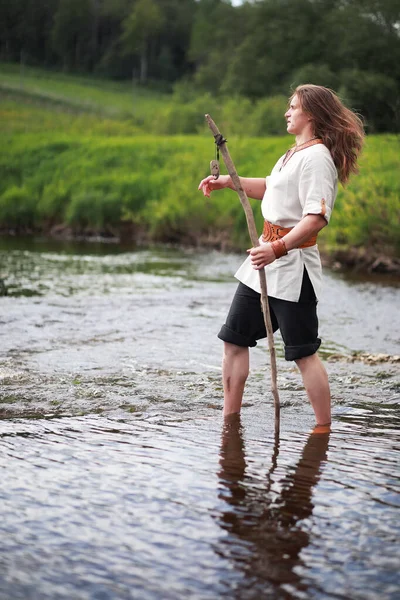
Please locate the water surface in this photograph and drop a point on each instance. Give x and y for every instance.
(120, 478)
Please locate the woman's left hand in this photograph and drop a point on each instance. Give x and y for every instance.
(261, 256)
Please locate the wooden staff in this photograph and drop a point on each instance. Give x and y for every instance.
(221, 143)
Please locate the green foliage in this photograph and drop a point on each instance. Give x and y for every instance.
(71, 33)
(367, 211)
(108, 99)
(144, 20)
(252, 118)
(180, 113)
(91, 208)
(267, 116)
(72, 171)
(254, 49)
(184, 114)
(375, 96)
(176, 118)
(142, 23)
(53, 201)
(318, 74)
(17, 208)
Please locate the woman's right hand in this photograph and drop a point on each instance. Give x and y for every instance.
(210, 184)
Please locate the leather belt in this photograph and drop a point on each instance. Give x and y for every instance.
(273, 232)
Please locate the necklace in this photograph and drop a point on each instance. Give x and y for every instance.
(298, 146)
(311, 142)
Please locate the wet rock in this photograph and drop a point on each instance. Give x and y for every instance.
(362, 260)
(377, 358)
(385, 264)
(365, 357)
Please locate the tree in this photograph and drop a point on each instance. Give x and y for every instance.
(375, 96)
(72, 33)
(172, 61)
(139, 28)
(25, 27)
(216, 31)
(276, 40)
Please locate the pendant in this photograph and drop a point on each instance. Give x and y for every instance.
(214, 168)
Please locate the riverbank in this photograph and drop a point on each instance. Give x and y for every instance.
(361, 260)
(112, 433)
(355, 261)
(73, 176)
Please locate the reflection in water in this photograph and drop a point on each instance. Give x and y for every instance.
(266, 514)
(117, 498)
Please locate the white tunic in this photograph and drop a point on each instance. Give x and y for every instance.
(306, 184)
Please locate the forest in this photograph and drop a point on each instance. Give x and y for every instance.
(255, 49)
(102, 107)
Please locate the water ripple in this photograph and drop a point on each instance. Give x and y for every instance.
(119, 478)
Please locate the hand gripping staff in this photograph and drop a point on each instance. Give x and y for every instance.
(221, 145)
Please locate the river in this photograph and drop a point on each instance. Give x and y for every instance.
(120, 479)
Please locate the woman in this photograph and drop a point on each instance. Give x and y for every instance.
(297, 201)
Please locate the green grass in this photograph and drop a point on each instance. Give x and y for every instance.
(367, 213)
(111, 98)
(92, 170)
(20, 115)
(93, 181)
(149, 110)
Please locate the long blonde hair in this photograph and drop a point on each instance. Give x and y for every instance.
(341, 130)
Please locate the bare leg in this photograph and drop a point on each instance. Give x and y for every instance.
(315, 381)
(235, 369)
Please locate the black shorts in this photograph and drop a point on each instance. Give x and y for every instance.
(297, 321)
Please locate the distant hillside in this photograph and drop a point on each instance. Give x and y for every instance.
(149, 110)
(87, 94)
(254, 49)
(75, 160)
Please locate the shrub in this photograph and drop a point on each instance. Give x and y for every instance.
(93, 209)
(318, 74)
(17, 208)
(54, 199)
(268, 116)
(375, 96)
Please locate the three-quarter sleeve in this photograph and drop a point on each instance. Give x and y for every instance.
(318, 185)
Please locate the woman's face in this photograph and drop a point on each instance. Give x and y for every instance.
(297, 120)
